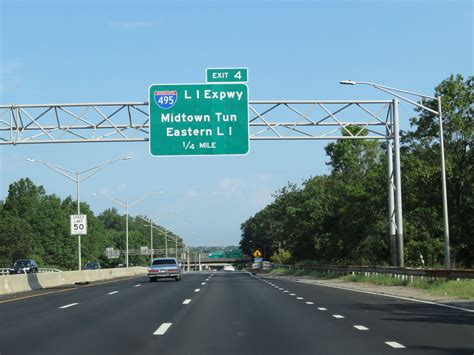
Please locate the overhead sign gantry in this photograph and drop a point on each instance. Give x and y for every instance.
(266, 120)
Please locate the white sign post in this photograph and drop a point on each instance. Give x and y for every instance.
(78, 224)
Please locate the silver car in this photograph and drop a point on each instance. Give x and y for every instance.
(164, 268)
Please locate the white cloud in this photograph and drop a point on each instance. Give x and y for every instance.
(9, 67)
(228, 187)
(122, 187)
(192, 193)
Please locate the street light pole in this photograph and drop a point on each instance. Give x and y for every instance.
(447, 254)
(127, 205)
(393, 91)
(76, 177)
(151, 236)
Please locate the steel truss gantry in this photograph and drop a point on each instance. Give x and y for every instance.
(268, 120)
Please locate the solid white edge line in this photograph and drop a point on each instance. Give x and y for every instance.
(69, 305)
(395, 345)
(197, 290)
(385, 295)
(162, 329)
(360, 327)
(112, 293)
(187, 301)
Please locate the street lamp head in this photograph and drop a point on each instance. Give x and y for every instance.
(347, 82)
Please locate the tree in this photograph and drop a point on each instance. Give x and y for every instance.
(423, 158)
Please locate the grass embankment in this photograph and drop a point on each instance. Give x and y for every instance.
(460, 289)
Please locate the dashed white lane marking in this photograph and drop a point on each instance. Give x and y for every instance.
(361, 327)
(299, 298)
(395, 345)
(391, 296)
(280, 289)
(137, 286)
(162, 329)
(207, 279)
(309, 302)
(197, 290)
(112, 293)
(203, 283)
(188, 301)
(286, 291)
(322, 309)
(69, 305)
(292, 294)
(338, 316)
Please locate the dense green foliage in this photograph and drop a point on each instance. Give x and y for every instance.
(36, 225)
(342, 217)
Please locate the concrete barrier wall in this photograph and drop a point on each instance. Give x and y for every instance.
(26, 282)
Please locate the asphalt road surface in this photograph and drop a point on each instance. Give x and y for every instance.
(227, 313)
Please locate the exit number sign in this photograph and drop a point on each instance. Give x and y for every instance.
(226, 75)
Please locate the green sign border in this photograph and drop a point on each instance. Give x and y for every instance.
(198, 155)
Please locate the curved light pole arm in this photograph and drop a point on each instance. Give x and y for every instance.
(57, 168)
(143, 198)
(408, 100)
(98, 168)
(119, 202)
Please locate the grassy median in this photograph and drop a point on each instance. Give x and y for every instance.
(463, 289)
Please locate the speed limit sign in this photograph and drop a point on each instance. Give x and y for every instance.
(78, 224)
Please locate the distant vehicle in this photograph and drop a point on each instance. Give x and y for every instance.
(92, 265)
(266, 265)
(164, 268)
(228, 268)
(24, 266)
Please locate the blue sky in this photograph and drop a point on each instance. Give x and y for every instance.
(111, 51)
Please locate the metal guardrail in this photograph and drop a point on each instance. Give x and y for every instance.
(403, 273)
(4, 270)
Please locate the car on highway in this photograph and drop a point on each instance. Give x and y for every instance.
(165, 268)
(24, 266)
(228, 268)
(92, 265)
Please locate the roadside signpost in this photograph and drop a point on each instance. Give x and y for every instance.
(257, 253)
(111, 253)
(78, 224)
(144, 251)
(226, 75)
(199, 119)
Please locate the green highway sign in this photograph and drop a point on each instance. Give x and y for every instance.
(198, 119)
(216, 75)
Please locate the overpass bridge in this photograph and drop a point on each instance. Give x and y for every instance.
(205, 263)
